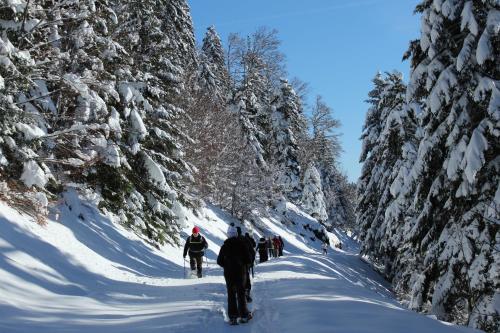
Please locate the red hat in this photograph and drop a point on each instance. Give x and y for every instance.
(196, 230)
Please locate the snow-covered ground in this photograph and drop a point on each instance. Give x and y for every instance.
(83, 273)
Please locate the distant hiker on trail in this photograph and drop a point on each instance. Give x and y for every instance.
(270, 247)
(325, 248)
(250, 238)
(262, 248)
(234, 257)
(276, 245)
(196, 245)
(282, 245)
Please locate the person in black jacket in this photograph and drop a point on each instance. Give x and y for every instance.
(262, 248)
(196, 245)
(234, 257)
(282, 245)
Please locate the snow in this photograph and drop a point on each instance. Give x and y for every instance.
(82, 272)
(3, 159)
(484, 49)
(33, 174)
(112, 156)
(474, 155)
(30, 132)
(313, 199)
(114, 123)
(468, 19)
(155, 173)
(138, 124)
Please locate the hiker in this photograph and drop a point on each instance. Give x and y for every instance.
(250, 238)
(276, 245)
(250, 246)
(270, 247)
(282, 245)
(234, 257)
(325, 248)
(196, 245)
(262, 248)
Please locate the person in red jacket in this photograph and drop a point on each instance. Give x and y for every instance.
(276, 245)
(196, 245)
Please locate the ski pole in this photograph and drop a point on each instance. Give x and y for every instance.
(184, 261)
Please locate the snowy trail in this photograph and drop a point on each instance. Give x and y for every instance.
(88, 274)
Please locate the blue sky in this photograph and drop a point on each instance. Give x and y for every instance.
(337, 46)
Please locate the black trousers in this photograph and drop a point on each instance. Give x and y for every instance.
(263, 256)
(248, 285)
(236, 300)
(196, 262)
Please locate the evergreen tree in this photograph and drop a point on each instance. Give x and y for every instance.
(60, 104)
(455, 180)
(340, 198)
(213, 76)
(313, 200)
(368, 183)
(157, 36)
(286, 114)
(16, 76)
(393, 127)
(447, 238)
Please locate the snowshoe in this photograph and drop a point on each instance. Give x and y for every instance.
(233, 321)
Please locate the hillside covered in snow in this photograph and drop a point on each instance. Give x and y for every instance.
(84, 272)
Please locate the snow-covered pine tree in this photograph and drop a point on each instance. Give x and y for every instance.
(368, 183)
(397, 126)
(64, 97)
(323, 148)
(83, 84)
(340, 198)
(454, 183)
(213, 76)
(286, 116)
(250, 188)
(16, 77)
(158, 38)
(256, 65)
(313, 200)
(250, 102)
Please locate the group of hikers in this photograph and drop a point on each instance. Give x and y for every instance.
(270, 247)
(237, 257)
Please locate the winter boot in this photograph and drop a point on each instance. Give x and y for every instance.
(199, 274)
(233, 321)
